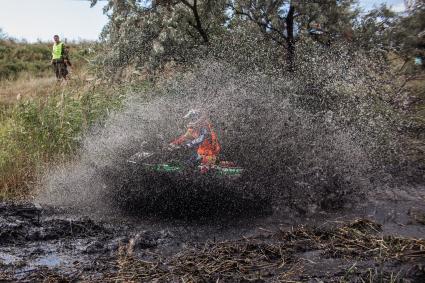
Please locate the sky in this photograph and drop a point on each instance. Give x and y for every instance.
(398, 5)
(74, 19)
(41, 19)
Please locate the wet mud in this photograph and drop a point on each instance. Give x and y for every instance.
(377, 240)
(188, 196)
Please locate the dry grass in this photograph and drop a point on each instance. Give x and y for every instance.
(11, 91)
(271, 257)
(28, 86)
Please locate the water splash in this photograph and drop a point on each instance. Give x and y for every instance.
(316, 138)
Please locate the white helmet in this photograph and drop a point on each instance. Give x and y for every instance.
(193, 117)
(193, 113)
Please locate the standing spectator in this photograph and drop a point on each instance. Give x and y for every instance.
(60, 59)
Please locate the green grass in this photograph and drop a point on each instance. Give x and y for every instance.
(46, 130)
(46, 125)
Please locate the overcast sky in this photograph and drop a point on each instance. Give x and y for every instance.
(74, 19)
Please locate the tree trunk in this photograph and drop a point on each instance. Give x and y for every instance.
(290, 56)
(199, 27)
(198, 24)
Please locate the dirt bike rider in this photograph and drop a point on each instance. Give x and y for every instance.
(201, 137)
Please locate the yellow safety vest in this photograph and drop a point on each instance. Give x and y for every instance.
(57, 51)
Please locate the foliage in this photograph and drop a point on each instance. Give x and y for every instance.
(172, 31)
(385, 29)
(286, 21)
(409, 35)
(3, 35)
(43, 130)
(147, 35)
(16, 58)
(374, 29)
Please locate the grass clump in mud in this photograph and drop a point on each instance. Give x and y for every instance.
(358, 248)
(35, 132)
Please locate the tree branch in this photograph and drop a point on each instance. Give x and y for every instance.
(185, 2)
(263, 26)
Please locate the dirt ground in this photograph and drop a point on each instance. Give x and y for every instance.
(378, 240)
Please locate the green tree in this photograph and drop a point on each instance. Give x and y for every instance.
(200, 19)
(151, 33)
(375, 29)
(3, 35)
(409, 32)
(285, 21)
(387, 30)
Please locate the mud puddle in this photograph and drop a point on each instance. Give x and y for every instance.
(41, 243)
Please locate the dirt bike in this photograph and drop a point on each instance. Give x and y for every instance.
(165, 183)
(174, 162)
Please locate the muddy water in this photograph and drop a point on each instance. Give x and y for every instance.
(36, 240)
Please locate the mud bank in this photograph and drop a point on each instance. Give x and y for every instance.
(378, 240)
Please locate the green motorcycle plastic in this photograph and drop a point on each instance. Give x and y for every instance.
(230, 171)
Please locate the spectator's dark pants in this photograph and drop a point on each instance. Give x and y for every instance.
(60, 68)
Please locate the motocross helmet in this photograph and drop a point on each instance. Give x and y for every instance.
(193, 117)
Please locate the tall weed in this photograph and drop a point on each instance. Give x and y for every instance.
(49, 129)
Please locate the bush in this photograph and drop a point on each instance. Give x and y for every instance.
(44, 130)
(17, 58)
